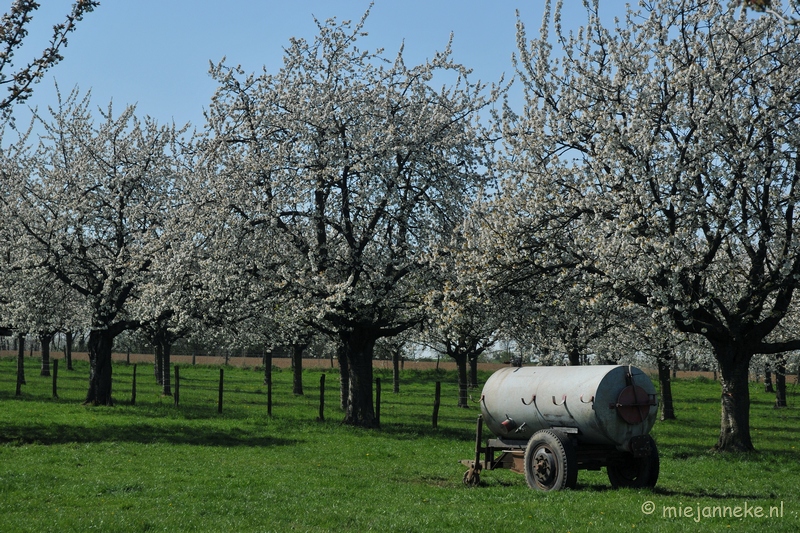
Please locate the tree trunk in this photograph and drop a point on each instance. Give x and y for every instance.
(297, 368)
(734, 366)
(100, 344)
(473, 371)
(396, 371)
(574, 357)
(665, 384)
(68, 349)
(44, 340)
(20, 362)
(360, 410)
(768, 379)
(461, 365)
(344, 376)
(780, 381)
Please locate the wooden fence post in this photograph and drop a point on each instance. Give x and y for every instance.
(322, 397)
(269, 398)
(55, 378)
(20, 363)
(268, 379)
(177, 385)
(133, 387)
(436, 400)
(219, 405)
(378, 401)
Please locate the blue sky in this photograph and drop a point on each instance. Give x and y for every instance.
(155, 53)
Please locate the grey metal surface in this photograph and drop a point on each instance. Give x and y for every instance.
(600, 404)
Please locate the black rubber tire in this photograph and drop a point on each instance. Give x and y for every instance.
(550, 461)
(636, 472)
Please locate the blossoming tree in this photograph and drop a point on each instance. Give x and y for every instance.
(660, 157)
(352, 167)
(18, 80)
(91, 202)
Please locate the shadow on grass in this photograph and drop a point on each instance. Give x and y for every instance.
(31, 433)
(683, 452)
(707, 494)
(414, 431)
(600, 488)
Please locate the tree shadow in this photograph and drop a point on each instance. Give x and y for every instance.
(50, 434)
(402, 431)
(600, 488)
(706, 494)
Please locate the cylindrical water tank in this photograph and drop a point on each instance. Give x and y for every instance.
(599, 404)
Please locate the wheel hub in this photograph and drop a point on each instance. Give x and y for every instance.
(544, 466)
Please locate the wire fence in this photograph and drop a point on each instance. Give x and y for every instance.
(425, 397)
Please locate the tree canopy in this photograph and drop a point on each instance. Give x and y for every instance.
(92, 202)
(348, 169)
(660, 158)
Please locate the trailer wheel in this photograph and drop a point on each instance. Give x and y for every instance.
(636, 472)
(550, 462)
(472, 478)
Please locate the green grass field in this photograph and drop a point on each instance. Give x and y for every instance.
(156, 467)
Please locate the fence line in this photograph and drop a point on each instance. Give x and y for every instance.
(73, 381)
(255, 361)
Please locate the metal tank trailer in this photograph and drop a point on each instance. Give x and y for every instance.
(550, 422)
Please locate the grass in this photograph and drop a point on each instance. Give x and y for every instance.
(156, 467)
